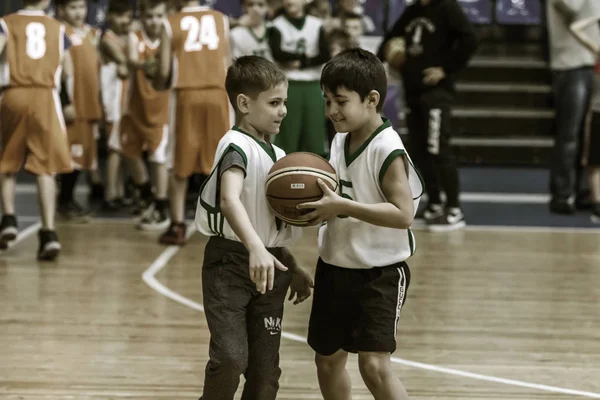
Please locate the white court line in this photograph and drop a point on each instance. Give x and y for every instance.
(149, 277)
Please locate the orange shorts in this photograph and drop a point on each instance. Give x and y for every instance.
(33, 132)
(82, 139)
(199, 119)
(136, 138)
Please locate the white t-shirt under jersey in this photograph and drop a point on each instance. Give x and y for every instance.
(348, 242)
(259, 157)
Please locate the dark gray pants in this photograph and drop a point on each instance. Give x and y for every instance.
(572, 90)
(245, 326)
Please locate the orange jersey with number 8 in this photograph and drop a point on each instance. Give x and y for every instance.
(200, 48)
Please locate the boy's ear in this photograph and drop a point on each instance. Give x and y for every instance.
(243, 103)
(373, 98)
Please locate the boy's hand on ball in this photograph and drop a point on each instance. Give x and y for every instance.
(69, 113)
(301, 286)
(326, 208)
(262, 269)
(150, 68)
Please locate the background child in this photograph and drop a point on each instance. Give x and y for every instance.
(299, 45)
(252, 39)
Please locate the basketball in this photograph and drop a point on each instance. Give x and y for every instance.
(293, 180)
(395, 53)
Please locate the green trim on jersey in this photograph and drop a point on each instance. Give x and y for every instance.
(411, 242)
(267, 147)
(351, 157)
(260, 39)
(388, 161)
(216, 220)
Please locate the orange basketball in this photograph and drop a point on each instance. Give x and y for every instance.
(293, 180)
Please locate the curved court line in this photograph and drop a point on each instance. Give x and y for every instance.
(149, 277)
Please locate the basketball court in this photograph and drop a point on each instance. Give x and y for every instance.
(494, 312)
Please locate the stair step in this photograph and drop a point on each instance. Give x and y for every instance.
(529, 70)
(493, 112)
(503, 156)
(503, 122)
(483, 141)
(473, 94)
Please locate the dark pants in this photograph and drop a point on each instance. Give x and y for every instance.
(245, 326)
(429, 126)
(572, 90)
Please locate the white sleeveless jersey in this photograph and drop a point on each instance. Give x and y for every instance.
(302, 41)
(259, 158)
(244, 42)
(348, 242)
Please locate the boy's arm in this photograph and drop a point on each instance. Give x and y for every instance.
(2, 41)
(567, 9)
(323, 55)
(397, 212)
(132, 51)
(262, 263)
(278, 54)
(112, 50)
(578, 27)
(164, 59)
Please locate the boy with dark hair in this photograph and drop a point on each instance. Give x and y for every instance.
(244, 309)
(33, 49)
(114, 81)
(438, 41)
(83, 130)
(362, 276)
(145, 123)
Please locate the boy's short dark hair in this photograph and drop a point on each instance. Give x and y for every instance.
(251, 75)
(119, 7)
(145, 5)
(356, 70)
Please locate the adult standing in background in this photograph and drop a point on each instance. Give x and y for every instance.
(434, 39)
(572, 71)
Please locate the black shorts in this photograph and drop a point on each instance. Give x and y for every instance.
(592, 142)
(357, 310)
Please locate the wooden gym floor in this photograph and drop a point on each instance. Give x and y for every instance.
(491, 314)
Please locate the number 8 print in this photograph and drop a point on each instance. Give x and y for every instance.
(200, 33)
(36, 40)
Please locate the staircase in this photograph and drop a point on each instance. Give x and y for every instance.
(503, 113)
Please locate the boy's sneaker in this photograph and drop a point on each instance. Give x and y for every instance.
(175, 235)
(154, 220)
(432, 211)
(8, 230)
(596, 213)
(96, 194)
(49, 245)
(450, 220)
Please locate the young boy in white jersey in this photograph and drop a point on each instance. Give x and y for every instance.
(362, 276)
(253, 38)
(299, 44)
(244, 278)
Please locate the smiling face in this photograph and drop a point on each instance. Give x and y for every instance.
(152, 19)
(74, 12)
(266, 111)
(346, 109)
(256, 9)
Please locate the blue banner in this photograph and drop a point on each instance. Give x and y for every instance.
(228, 7)
(478, 11)
(521, 12)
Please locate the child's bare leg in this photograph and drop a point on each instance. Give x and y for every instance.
(594, 183)
(376, 371)
(334, 380)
